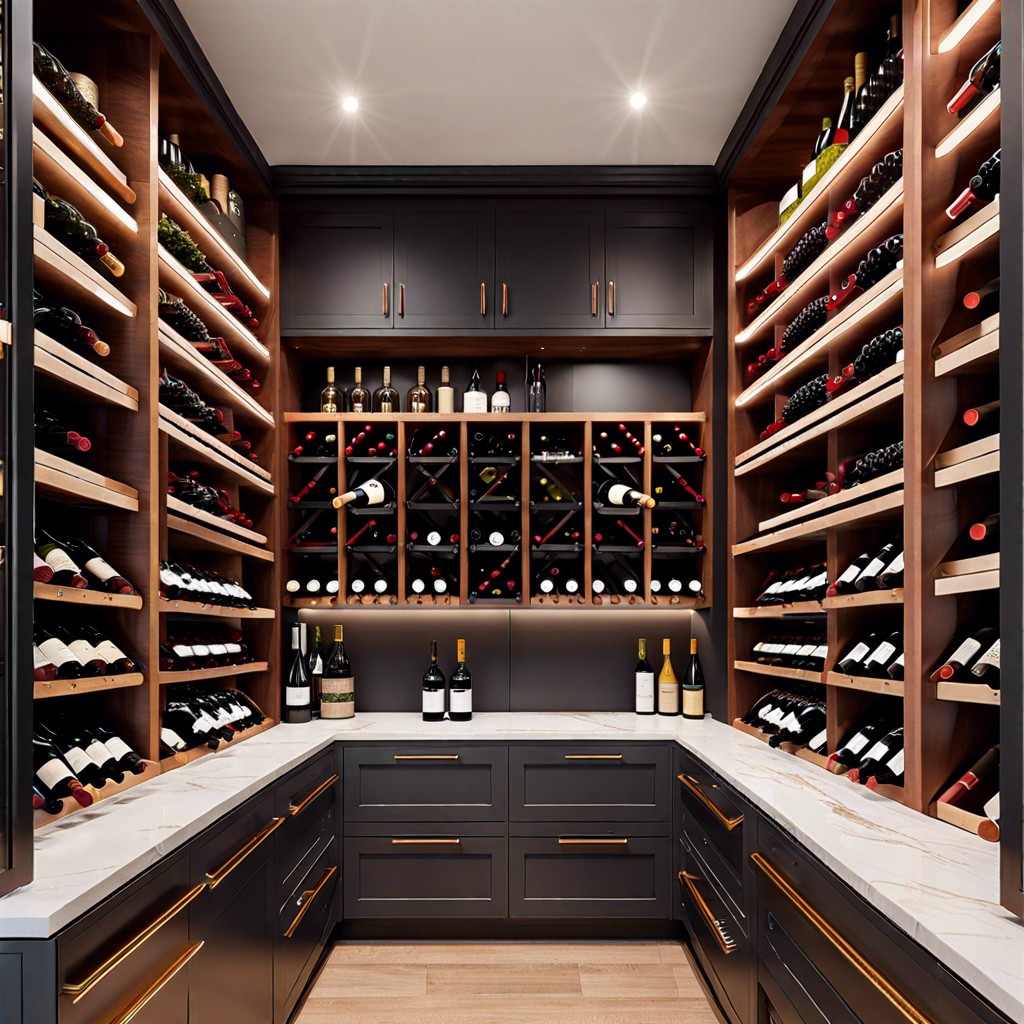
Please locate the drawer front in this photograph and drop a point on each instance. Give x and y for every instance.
(303, 837)
(719, 938)
(711, 804)
(303, 793)
(426, 783)
(135, 949)
(597, 876)
(719, 874)
(223, 848)
(589, 782)
(303, 927)
(453, 876)
(774, 1006)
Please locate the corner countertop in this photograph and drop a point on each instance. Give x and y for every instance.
(937, 883)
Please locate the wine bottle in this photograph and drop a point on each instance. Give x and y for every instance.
(59, 654)
(891, 577)
(501, 400)
(329, 396)
(984, 300)
(460, 687)
(693, 685)
(419, 398)
(54, 779)
(643, 682)
(66, 571)
(985, 766)
(986, 668)
(883, 763)
(66, 223)
(65, 325)
(370, 492)
(849, 755)
(315, 664)
(298, 687)
(876, 664)
(538, 393)
(844, 130)
(338, 697)
(868, 578)
(803, 727)
(982, 79)
(853, 662)
(433, 689)
(106, 577)
(445, 393)
(475, 398)
(125, 759)
(984, 185)
(668, 683)
(116, 662)
(611, 492)
(861, 114)
(359, 397)
(385, 398)
(982, 419)
(989, 828)
(54, 76)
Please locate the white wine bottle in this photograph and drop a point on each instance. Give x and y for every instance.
(445, 393)
(668, 683)
(644, 682)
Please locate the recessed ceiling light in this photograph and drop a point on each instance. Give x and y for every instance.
(638, 101)
(350, 104)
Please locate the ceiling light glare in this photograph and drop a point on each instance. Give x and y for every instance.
(638, 101)
(350, 104)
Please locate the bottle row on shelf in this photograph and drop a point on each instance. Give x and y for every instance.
(75, 650)
(191, 647)
(198, 716)
(71, 562)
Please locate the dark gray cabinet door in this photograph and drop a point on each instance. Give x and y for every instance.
(659, 270)
(444, 266)
(337, 268)
(549, 262)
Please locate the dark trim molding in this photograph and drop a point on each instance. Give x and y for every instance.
(647, 182)
(186, 52)
(800, 31)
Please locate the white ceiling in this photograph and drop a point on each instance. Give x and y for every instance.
(488, 81)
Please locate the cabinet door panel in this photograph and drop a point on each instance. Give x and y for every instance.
(444, 256)
(659, 266)
(550, 258)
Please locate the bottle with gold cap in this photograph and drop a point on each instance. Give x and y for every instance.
(330, 396)
(693, 685)
(668, 683)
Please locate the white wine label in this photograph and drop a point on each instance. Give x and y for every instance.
(668, 698)
(460, 701)
(182, 650)
(882, 654)
(857, 654)
(775, 716)
(39, 659)
(992, 808)
(896, 565)
(201, 650)
(872, 569)
(83, 651)
(101, 569)
(791, 650)
(117, 747)
(233, 648)
(618, 494)
(818, 740)
(60, 561)
(963, 654)
(821, 652)
(989, 658)
(433, 702)
(877, 751)
(172, 739)
(374, 491)
(109, 651)
(203, 724)
(217, 650)
(790, 723)
(78, 759)
(851, 573)
(645, 692)
(57, 651)
(474, 401)
(170, 579)
(297, 696)
(857, 744)
(98, 752)
(896, 763)
(764, 711)
(809, 171)
(693, 701)
(52, 773)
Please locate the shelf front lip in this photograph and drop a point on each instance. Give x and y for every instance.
(888, 203)
(968, 235)
(192, 528)
(970, 469)
(208, 449)
(967, 693)
(181, 208)
(214, 522)
(799, 674)
(866, 684)
(200, 675)
(964, 24)
(965, 128)
(779, 611)
(549, 418)
(983, 344)
(867, 599)
(169, 607)
(187, 756)
(876, 300)
(72, 595)
(888, 387)
(59, 476)
(95, 684)
(104, 387)
(783, 234)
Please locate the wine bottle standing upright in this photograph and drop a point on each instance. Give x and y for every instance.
(693, 685)
(475, 398)
(643, 682)
(445, 393)
(460, 696)
(433, 689)
(315, 662)
(338, 686)
(329, 397)
(298, 686)
(668, 683)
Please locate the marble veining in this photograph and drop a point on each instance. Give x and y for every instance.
(935, 882)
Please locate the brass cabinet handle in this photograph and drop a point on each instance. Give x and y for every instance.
(592, 842)
(884, 986)
(594, 288)
(504, 299)
(384, 299)
(132, 1010)
(593, 757)
(695, 788)
(307, 898)
(425, 842)
(218, 876)
(401, 300)
(611, 298)
(426, 757)
(483, 299)
(705, 911)
(80, 989)
(294, 809)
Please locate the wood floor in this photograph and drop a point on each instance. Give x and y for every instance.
(507, 983)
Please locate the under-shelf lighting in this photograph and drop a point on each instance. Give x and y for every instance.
(969, 125)
(963, 25)
(968, 242)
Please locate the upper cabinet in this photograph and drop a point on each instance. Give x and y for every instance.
(658, 265)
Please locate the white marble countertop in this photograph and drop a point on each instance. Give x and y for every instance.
(935, 882)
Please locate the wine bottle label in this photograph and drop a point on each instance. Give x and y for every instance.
(856, 656)
(374, 491)
(775, 716)
(78, 759)
(759, 647)
(433, 702)
(882, 654)
(895, 765)
(807, 651)
(224, 716)
(57, 652)
(232, 648)
(896, 565)
(990, 659)
(98, 752)
(693, 701)
(474, 401)
(101, 569)
(819, 581)
(39, 659)
(821, 652)
(619, 494)
(297, 696)
(668, 698)
(764, 711)
(172, 739)
(851, 573)
(52, 773)
(791, 723)
(109, 651)
(963, 654)
(501, 401)
(118, 747)
(645, 692)
(872, 569)
(445, 400)
(84, 651)
(203, 723)
(774, 588)
(182, 650)
(790, 650)
(60, 561)
(818, 740)
(461, 700)
(170, 579)
(877, 751)
(201, 650)
(217, 650)
(857, 744)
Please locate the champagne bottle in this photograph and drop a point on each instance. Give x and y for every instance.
(611, 492)
(475, 398)
(419, 398)
(371, 492)
(693, 685)
(460, 692)
(668, 683)
(433, 689)
(338, 697)
(643, 681)
(385, 398)
(298, 686)
(329, 396)
(359, 398)
(445, 393)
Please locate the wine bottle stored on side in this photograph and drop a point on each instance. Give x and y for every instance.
(433, 689)
(985, 766)
(668, 683)
(371, 492)
(851, 752)
(643, 682)
(298, 686)
(611, 492)
(54, 778)
(460, 687)
(883, 765)
(338, 688)
(693, 685)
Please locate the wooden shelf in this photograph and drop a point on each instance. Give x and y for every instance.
(968, 462)
(59, 174)
(208, 450)
(967, 575)
(98, 598)
(94, 684)
(850, 406)
(214, 385)
(48, 112)
(866, 684)
(803, 753)
(219, 254)
(980, 16)
(204, 674)
(969, 124)
(975, 350)
(327, 601)
(166, 607)
(799, 674)
(243, 343)
(778, 611)
(66, 370)
(491, 418)
(824, 506)
(953, 815)
(210, 540)
(187, 756)
(977, 230)
(55, 475)
(869, 599)
(105, 792)
(58, 268)
(678, 601)
(967, 693)
(871, 307)
(814, 281)
(884, 132)
(182, 509)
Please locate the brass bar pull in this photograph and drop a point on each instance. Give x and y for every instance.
(401, 300)
(695, 788)
(504, 299)
(384, 299)
(218, 876)
(705, 911)
(884, 986)
(593, 757)
(611, 298)
(425, 842)
(594, 291)
(483, 299)
(307, 898)
(426, 757)
(135, 1007)
(592, 842)
(80, 989)
(294, 809)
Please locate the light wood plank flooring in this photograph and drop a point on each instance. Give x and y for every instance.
(507, 983)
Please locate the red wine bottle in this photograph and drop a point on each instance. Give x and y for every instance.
(856, 744)
(985, 300)
(984, 185)
(105, 576)
(982, 79)
(883, 763)
(54, 778)
(66, 571)
(985, 766)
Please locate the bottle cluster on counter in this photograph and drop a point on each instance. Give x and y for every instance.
(665, 694)
(317, 686)
(452, 699)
